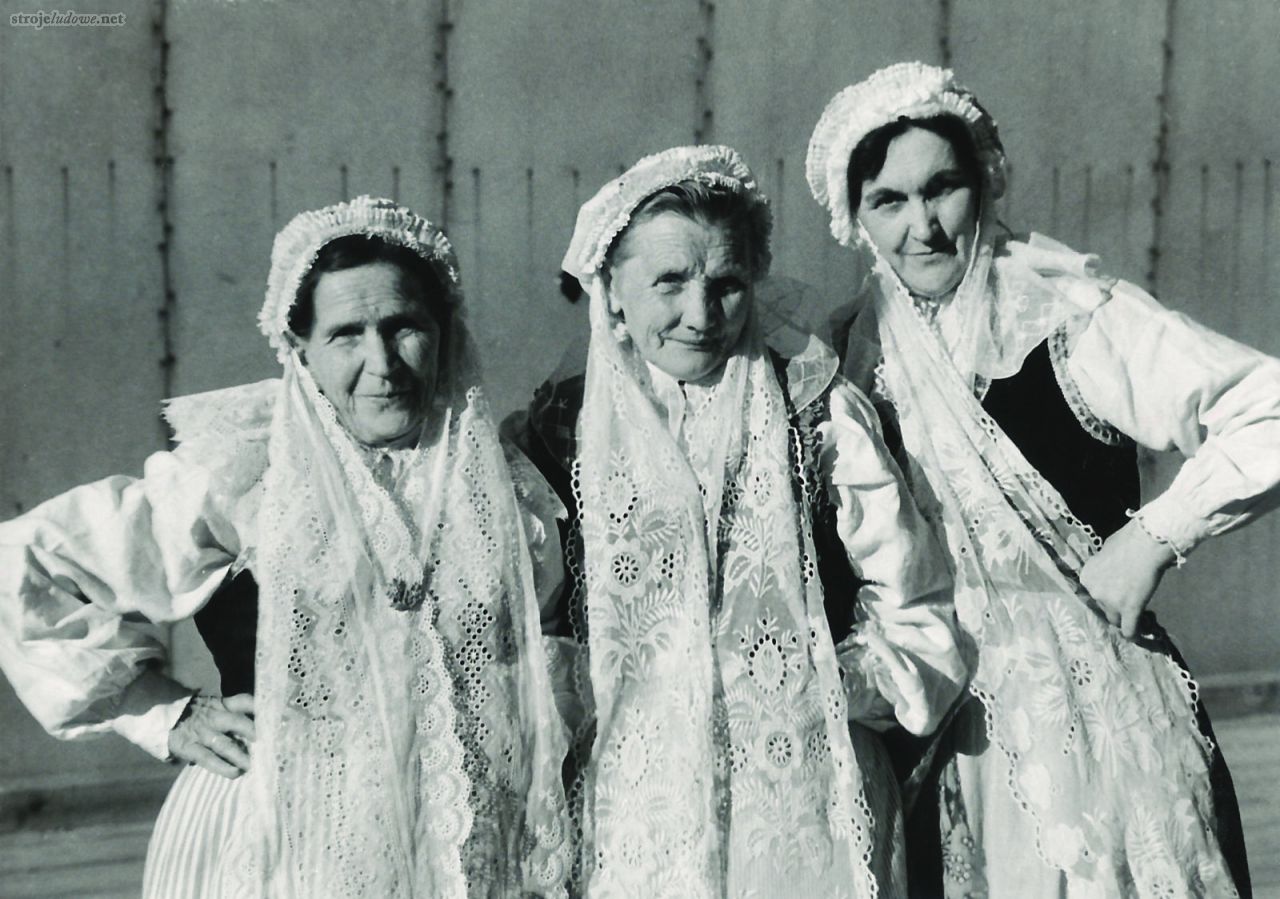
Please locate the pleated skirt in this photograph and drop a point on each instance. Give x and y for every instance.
(195, 826)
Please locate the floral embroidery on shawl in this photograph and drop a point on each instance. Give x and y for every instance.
(408, 741)
(1096, 736)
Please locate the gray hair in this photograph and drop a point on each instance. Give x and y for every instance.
(712, 204)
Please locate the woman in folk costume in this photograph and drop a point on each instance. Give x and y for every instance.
(401, 738)
(1020, 379)
(727, 502)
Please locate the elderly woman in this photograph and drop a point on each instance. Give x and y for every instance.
(727, 503)
(1021, 380)
(401, 738)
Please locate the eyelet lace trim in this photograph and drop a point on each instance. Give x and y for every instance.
(399, 746)
(1094, 736)
(1059, 355)
(721, 743)
(1179, 558)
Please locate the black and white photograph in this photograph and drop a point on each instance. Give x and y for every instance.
(759, 449)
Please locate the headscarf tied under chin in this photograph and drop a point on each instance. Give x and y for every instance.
(722, 761)
(408, 744)
(1097, 736)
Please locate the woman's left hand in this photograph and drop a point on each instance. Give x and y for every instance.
(1122, 576)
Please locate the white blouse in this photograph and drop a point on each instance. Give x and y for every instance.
(905, 646)
(1170, 383)
(1133, 367)
(88, 579)
(902, 662)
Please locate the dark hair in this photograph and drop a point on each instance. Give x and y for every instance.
(867, 158)
(356, 250)
(570, 287)
(709, 203)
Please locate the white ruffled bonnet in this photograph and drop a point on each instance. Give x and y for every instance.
(904, 90)
(602, 218)
(298, 243)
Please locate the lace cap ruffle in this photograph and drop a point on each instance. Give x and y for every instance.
(298, 243)
(602, 218)
(902, 90)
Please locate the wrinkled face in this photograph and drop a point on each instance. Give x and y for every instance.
(683, 287)
(373, 351)
(921, 212)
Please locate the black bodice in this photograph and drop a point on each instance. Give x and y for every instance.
(228, 624)
(1098, 481)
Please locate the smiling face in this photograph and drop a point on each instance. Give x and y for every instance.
(921, 212)
(683, 287)
(373, 348)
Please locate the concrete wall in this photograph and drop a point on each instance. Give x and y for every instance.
(144, 170)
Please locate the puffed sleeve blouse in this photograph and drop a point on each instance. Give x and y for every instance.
(902, 661)
(1129, 366)
(1170, 383)
(90, 578)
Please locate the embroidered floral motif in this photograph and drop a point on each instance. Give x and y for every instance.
(701, 616)
(1078, 715)
(408, 739)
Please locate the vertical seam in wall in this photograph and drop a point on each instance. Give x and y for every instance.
(476, 278)
(1126, 246)
(1268, 207)
(530, 255)
(163, 162)
(8, 284)
(64, 276)
(944, 32)
(444, 91)
(112, 207)
(1086, 222)
(1055, 196)
(704, 126)
(164, 182)
(779, 192)
(1160, 165)
(10, 222)
(273, 188)
(1204, 235)
(1237, 230)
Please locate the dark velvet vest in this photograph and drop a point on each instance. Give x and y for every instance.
(1098, 481)
(228, 624)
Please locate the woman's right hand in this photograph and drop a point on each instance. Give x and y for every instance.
(1122, 576)
(215, 733)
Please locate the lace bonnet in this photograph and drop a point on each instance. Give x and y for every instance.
(297, 245)
(606, 215)
(911, 90)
